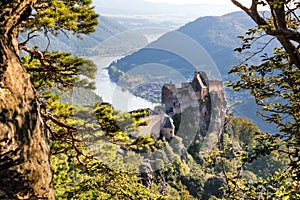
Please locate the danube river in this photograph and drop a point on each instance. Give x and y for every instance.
(111, 93)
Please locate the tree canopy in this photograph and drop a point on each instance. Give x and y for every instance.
(275, 84)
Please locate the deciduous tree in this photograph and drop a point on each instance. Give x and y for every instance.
(275, 84)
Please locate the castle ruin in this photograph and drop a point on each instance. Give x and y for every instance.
(190, 94)
(194, 105)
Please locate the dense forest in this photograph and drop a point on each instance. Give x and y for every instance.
(55, 147)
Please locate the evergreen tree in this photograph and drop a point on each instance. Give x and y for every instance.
(24, 151)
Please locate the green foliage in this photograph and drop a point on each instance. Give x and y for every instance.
(242, 159)
(79, 97)
(97, 151)
(242, 129)
(55, 16)
(119, 125)
(98, 172)
(275, 85)
(278, 186)
(77, 133)
(97, 181)
(60, 70)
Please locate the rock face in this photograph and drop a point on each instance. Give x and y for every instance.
(25, 170)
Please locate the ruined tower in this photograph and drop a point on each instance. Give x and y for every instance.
(194, 105)
(175, 100)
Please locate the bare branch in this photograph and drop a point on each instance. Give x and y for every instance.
(49, 128)
(292, 12)
(78, 151)
(252, 12)
(71, 130)
(29, 37)
(65, 33)
(287, 33)
(238, 4)
(253, 5)
(47, 36)
(257, 52)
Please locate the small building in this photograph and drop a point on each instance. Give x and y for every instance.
(168, 128)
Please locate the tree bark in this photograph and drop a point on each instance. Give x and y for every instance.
(25, 170)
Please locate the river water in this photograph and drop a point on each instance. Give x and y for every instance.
(111, 93)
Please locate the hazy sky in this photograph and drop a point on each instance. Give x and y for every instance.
(223, 2)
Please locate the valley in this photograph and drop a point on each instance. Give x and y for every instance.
(206, 44)
(149, 99)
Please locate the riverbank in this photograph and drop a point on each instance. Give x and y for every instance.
(113, 94)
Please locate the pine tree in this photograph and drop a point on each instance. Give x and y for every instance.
(25, 86)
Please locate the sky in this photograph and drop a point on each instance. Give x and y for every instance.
(223, 2)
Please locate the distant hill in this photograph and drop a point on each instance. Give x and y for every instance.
(204, 44)
(156, 13)
(217, 36)
(97, 43)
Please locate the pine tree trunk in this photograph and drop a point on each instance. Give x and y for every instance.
(25, 170)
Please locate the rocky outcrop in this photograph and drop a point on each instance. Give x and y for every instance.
(147, 173)
(216, 122)
(25, 170)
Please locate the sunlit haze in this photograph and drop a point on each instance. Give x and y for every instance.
(223, 2)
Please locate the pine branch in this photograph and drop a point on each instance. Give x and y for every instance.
(71, 131)
(36, 52)
(49, 116)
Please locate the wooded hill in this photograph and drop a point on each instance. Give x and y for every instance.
(97, 43)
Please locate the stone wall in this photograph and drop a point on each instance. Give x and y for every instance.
(168, 97)
(189, 94)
